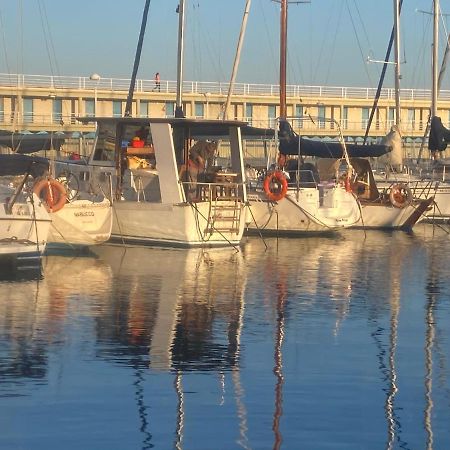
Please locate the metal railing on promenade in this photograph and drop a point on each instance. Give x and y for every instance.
(206, 87)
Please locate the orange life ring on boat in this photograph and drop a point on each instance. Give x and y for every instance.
(275, 186)
(52, 192)
(400, 195)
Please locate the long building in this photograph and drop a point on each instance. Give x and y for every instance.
(52, 103)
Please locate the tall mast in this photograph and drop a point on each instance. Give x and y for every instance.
(397, 61)
(236, 58)
(434, 92)
(283, 51)
(137, 59)
(179, 101)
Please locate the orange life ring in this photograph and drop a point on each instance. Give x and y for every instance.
(52, 192)
(400, 195)
(275, 186)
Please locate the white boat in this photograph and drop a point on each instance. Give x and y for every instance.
(307, 201)
(24, 221)
(281, 203)
(79, 217)
(166, 188)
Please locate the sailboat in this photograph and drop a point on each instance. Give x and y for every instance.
(310, 197)
(24, 221)
(301, 199)
(424, 185)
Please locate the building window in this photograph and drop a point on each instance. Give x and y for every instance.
(2, 109)
(272, 115)
(364, 117)
(143, 108)
(57, 110)
(321, 115)
(28, 110)
(391, 117)
(412, 118)
(89, 107)
(117, 108)
(249, 113)
(299, 114)
(170, 109)
(199, 110)
(345, 117)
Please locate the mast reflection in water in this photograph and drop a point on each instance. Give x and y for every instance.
(311, 343)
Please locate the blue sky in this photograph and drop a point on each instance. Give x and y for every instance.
(329, 40)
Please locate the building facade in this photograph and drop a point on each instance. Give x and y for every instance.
(38, 103)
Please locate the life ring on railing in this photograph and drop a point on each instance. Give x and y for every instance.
(275, 186)
(52, 193)
(400, 195)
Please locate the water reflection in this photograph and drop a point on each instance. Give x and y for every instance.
(310, 342)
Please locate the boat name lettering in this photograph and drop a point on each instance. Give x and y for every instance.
(84, 214)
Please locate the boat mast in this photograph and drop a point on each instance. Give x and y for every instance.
(397, 61)
(137, 59)
(283, 52)
(434, 92)
(179, 102)
(237, 58)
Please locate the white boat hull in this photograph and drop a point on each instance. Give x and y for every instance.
(81, 223)
(23, 232)
(308, 212)
(183, 224)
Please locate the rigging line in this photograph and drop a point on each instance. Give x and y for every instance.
(362, 24)
(381, 80)
(50, 38)
(270, 43)
(46, 38)
(20, 37)
(359, 43)
(322, 46)
(2, 25)
(333, 47)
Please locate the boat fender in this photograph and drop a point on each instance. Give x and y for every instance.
(400, 195)
(52, 193)
(275, 186)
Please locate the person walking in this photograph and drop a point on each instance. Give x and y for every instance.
(157, 82)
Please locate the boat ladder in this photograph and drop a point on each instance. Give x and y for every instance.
(224, 215)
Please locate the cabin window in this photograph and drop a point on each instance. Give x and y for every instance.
(57, 110)
(271, 115)
(105, 143)
(117, 108)
(28, 110)
(89, 107)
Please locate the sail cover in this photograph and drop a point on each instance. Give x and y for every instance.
(12, 165)
(290, 143)
(439, 135)
(30, 142)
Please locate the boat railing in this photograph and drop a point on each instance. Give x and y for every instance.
(199, 191)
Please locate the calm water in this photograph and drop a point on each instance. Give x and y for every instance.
(317, 343)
